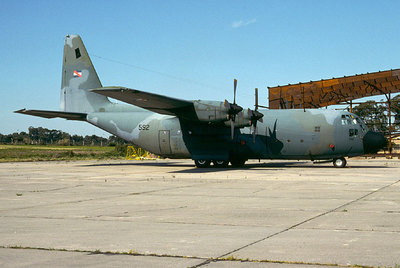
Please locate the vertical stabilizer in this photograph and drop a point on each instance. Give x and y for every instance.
(78, 76)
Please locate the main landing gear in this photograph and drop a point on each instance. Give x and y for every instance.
(219, 163)
(202, 163)
(239, 162)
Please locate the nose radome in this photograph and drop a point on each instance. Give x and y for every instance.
(373, 142)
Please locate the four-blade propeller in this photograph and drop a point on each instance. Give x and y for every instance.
(234, 109)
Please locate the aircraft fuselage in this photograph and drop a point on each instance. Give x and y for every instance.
(284, 134)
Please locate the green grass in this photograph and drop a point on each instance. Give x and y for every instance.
(17, 153)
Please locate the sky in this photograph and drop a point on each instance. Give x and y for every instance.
(187, 49)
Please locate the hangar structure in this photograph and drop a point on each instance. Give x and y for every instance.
(337, 91)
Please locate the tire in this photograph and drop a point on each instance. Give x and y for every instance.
(202, 163)
(220, 163)
(339, 162)
(237, 162)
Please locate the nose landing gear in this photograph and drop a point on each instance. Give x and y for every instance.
(339, 162)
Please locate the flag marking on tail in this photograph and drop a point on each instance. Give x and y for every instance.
(77, 73)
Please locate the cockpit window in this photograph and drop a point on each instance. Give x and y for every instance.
(353, 119)
(361, 124)
(348, 119)
(344, 121)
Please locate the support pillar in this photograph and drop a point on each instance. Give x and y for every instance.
(390, 124)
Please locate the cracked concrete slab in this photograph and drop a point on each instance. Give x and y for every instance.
(43, 258)
(289, 212)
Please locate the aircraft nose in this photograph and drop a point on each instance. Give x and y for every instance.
(373, 142)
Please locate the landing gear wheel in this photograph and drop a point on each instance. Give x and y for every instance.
(339, 162)
(220, 163)
(202, 163)
(237, 162)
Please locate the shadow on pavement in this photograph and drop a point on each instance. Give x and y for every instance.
(248, 166)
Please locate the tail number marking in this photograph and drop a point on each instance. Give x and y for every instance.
(144, 127)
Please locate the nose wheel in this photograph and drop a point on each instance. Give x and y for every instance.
(339, 162)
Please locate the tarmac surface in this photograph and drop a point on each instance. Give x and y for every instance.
(167, 213)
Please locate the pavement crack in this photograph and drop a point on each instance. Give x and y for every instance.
(233, 259)
(297, 224)
(100, 198)
(164, 189)
(98, 251)
(56, 189)
(134, 253)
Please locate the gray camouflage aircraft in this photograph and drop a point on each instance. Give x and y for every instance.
(205, 131)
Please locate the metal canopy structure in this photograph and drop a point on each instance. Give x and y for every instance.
(316, 94)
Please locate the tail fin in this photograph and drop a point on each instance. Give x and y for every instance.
(78, 76)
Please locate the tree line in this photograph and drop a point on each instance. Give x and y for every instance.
(376, 115)
(44, 136)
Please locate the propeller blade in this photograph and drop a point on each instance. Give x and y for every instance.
(234, 90)
(254, 132)
(232, 128)
(256, 99)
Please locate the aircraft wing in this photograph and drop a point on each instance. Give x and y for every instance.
(53, 114)
(150, 101)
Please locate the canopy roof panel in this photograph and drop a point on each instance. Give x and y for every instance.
(315, 94)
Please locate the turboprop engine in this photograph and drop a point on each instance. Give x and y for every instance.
(211, 111)
(216, 111)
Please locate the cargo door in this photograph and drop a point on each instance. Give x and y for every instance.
(165, 147)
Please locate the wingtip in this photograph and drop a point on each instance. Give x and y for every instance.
(20, 111)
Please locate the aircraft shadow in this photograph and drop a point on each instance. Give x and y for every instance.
(266, 166)
(137, 163)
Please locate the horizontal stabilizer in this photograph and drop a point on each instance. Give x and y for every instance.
(54, 114)
(150, 101)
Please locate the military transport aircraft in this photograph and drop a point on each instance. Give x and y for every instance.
(205, 131)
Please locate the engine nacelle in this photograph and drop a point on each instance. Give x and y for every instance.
(217, 111)
(211, 111)
(242, 119)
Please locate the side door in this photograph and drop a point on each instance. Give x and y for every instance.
(164, 141)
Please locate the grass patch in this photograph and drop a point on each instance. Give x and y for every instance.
(23, 153)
